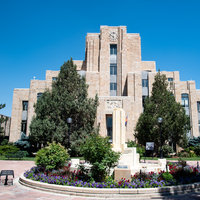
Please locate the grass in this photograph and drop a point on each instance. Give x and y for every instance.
(24, 158)
(32, 158)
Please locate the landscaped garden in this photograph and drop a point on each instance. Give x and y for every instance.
(52, 168)
(178, 175)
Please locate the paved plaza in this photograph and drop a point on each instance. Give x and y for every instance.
(19, 192)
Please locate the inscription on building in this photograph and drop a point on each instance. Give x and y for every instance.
(112, 104)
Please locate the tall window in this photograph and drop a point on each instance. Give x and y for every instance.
(109, 127)
(24, 105)
(199, 127)
(143, 99)
(198, 106)
(113, 70)
(23, 126)
(185, 100)
(113, 49)
(144, 82)
(113, 86)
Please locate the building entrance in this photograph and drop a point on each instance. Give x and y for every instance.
(109, 127)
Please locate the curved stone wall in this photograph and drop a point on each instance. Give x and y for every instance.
(106, 192)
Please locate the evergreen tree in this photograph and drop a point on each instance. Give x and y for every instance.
(2, 119)
(67, 98)
(162, 103)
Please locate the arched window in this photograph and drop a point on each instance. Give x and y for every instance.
(185, 100)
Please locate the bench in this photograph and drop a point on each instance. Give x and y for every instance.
(7, 173)
(14, 155)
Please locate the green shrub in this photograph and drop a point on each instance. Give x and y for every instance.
(98, 151)
(8, 148)
(167, 150)
(183, 154)
(24, 144)
(189, 152)
(197, 150)
(51, 157)
(6, 142)
(140, 149)
(167, 176)
(195, 141)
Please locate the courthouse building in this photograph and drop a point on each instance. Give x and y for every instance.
(114, 70)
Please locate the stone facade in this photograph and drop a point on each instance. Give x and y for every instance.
(6, 125)
(127, 82)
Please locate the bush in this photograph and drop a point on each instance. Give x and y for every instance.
(189, 152)
(183, 154)
(8, 148)
(140, 149)
(6, 142)
(167, 176)
(23, 143)
(167, 150)
(197, 150)
(193, 142)
(51, 157)
(98, 151)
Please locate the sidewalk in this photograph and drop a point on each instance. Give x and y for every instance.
(19, 192)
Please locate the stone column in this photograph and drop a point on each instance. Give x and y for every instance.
(119, 130)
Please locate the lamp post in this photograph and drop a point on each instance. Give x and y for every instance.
(69, 121)
(160, 120)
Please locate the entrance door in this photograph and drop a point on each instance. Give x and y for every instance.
(109, 127)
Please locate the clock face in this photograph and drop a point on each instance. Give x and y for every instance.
(113, 36)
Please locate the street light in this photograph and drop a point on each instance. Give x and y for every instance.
(69, 121)
(160, 120)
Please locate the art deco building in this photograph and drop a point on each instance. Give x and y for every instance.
(114, 70)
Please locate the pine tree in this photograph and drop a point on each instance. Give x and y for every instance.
(67, 98)
(162, 103)
(2, 119)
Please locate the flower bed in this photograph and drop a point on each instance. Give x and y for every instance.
(178, 175)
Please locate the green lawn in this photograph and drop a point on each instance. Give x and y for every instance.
(24, 158)
(81, 158)
(32, 158)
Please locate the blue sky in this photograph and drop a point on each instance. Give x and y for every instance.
(36, 36)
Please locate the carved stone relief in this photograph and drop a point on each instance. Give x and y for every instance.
(112, 104)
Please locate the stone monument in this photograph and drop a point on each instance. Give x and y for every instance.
(129, 160)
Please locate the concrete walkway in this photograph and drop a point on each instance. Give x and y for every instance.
(19, 192)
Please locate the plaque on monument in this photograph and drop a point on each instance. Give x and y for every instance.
(122, 166)
(113, 103)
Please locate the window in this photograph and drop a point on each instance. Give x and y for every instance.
(184, 100)
(144, 82)
(39, 95)
(113, 86)
(113, 70)
(198, 106)
(113, 49)
(143, 99)
(109, 127)
(170, 79)
(199, 126)
(23, 126)
(54, 78)
(24, 105)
